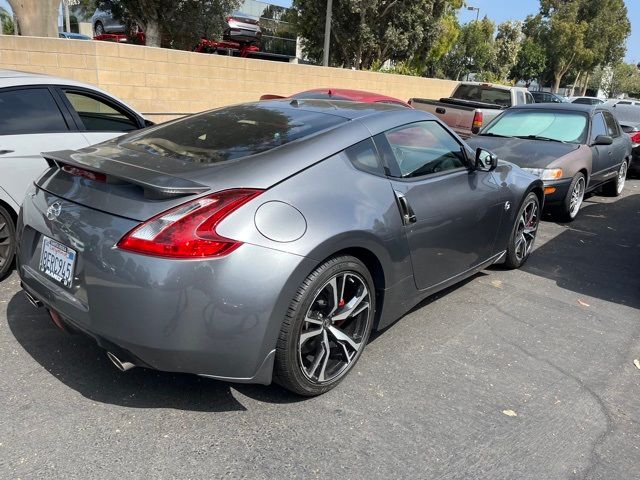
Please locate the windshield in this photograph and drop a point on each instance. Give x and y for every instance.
(485, 94)
(555, 125)
(231, 133)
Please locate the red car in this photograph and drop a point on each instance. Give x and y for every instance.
(341, 94)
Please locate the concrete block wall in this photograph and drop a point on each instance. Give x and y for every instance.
(163, 83)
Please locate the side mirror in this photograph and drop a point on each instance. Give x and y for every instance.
(485, 160)
(603, 140)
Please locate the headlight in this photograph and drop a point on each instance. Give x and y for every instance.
(545, 173)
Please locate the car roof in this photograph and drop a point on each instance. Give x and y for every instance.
(354, 95)
(574, 107)
(344, 108)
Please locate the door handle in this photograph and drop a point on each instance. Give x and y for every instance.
(408, 215)
(441, 110)
(4, 152)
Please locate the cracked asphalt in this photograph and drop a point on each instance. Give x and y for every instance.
(523, 374)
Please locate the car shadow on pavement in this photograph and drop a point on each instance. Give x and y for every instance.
(598, 254)
(79, 363)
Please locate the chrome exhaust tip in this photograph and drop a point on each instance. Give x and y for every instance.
(33, 300)
(120, 365)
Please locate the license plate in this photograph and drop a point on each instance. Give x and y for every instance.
(57, 261)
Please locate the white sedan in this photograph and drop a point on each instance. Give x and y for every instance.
(39, 113)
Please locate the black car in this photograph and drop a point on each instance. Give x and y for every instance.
(546, 97)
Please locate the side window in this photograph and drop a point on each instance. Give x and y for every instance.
(612, 125)
(99, 116)
(364, 156)
(29, 110)
(598, 127)
(424, 148)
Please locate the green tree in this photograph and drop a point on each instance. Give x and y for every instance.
(621, 78)
(507, 46)
(530, 62)
(474, 51)
(170, 23)
(363, 31)
(6, 22)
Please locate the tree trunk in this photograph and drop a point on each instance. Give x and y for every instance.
(556, 85)
(575, 82)
(152, 33)
(585, 85)
(37, 18)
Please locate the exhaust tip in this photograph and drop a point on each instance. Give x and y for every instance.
(33, 300)
(120, 365)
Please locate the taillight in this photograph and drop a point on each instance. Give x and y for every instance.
(477, 122)
(189, 230)
(81, 172)
(635, 138)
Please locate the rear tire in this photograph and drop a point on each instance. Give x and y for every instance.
(615, 187)
(7, 242)
(568, 210)
(524, 232)
(98, 29)
(326, 327)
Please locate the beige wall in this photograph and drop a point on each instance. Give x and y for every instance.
(162, 83)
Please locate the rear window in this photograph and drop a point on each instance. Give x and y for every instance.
(485, 94)
(232, 133)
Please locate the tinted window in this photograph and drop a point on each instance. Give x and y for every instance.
(364, 156)
(231, 133)
(612, 125)
(587, 101)
(30, 110)
(98, 116)
(598, 127)
(624, 103)
(481, 93)
(424, 148)
(554, 124)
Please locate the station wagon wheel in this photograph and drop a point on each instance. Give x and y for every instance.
(327, 327)
(7, 241)
(524, 232)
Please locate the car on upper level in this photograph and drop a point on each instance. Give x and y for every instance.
(103, 22)
(40, 113)
(473, 104)
(573, 148)
(547, 97)
(341, 94)
(265, 241)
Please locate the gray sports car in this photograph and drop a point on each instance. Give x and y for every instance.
(265, 241)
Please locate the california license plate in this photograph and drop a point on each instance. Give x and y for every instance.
(57, 261)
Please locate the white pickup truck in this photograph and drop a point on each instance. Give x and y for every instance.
(473, 104)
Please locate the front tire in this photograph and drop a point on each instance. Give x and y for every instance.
(615, 187)
(326, 328)
(98, 29)
(524, 232)
(7, 242)
(568, 211)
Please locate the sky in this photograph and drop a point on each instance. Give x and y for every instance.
(501, 10)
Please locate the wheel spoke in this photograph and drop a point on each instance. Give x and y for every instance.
(350, 308)
(342, 337)
(322, 376)
(334, 294)
(310, 334)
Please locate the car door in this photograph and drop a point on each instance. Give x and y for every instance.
(451, 212)
(99, 117)
(32, 121)
(600, 154)
(619, 145)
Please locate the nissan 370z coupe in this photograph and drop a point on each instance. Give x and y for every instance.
(265, 241)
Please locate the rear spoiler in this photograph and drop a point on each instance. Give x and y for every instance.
(155, 184)
(270, 96)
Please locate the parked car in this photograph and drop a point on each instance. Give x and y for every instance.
(473, 105)
(586, 100)
(546, 97)
(573, 148)
(39, 113)
(242, 29)
(614, 102)
(341, 94)
(628, 115)
(104, 22)
(264, 241)
(73, 36)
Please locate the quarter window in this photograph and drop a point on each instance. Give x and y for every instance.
(364, 156)
(30, 110)
(424, 148)
(99, 116)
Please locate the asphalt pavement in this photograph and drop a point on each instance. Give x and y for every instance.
(523, 374)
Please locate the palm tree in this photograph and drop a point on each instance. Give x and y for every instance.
(6, 20)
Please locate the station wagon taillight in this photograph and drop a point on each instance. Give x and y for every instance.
(189, 230)
(635, 138)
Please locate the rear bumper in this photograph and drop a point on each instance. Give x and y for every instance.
(559, 194)
(214, 317)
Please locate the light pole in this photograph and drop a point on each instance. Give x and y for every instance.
(327, 34)
(477, 11)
